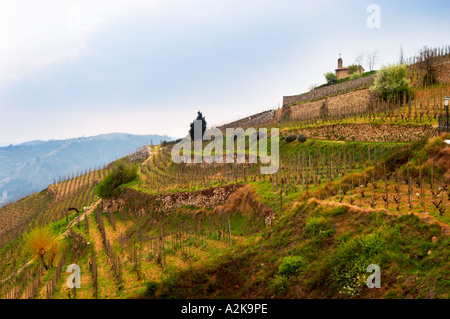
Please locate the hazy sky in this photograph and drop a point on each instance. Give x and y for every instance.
(73, 68)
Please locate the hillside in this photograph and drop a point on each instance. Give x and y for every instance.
(224, 242)
(365, 186)
(29, 167)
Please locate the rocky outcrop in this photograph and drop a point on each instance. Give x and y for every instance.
(52, 190)
(139, 155)
(112, 205)
(138, 202)
(210, 197)
(245, 201)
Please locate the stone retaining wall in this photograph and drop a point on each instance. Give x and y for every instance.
(340, 104)
(367, 132)
(329, 90)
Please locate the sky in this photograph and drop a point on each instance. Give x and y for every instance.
(83, 67)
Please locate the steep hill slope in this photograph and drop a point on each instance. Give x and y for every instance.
(310, 231)
(365, 187)
(31, 166)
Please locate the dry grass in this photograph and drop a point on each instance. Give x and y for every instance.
(442, 160)
(246, 202)
(357, 209)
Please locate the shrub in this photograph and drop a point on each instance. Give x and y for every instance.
(353, 69)
(290, 138)
(355, 76)
(371, 244)
(302, 138)
(344, 269)
(123, 172)
(291, 265)
(402, 155)
(391, 81)
(278, 285)
(152, 286)
(42, 242)
(330, 77)
(316, 225)
(413, 170)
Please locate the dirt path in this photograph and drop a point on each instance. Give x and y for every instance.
(129, 274)
(156, 150)
(71, 224)
(83, 216)
(106, 283)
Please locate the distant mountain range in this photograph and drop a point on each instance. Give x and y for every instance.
(31, 166)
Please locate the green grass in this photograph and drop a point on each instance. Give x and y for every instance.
(293, 126)
(312, 250)
(287, 260)
(363, 75)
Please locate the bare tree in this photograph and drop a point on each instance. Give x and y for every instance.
(426, 62)
(401, 58)
(372, 57)
(312, 86)
(359, 59)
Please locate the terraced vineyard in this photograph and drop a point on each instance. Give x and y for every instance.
(161, 174)
(47, 207)
(142, 251)
(126, 253)
(424, 107)
(225, 230)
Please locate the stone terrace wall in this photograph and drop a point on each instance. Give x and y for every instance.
(442, 72)
(329, 90)
(254, 120)
(141, 203)
(344, 103)
(367, 132)
(205, 198)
